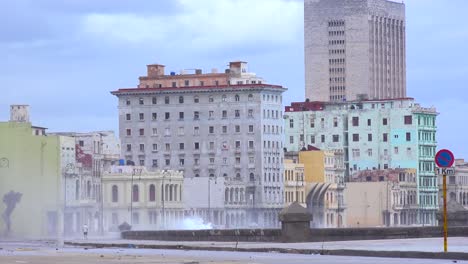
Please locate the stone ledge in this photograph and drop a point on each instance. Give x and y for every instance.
(335, 252)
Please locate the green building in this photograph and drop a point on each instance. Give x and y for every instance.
(374, 135)
(30, 179)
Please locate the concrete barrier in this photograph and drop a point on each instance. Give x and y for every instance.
(316, 235)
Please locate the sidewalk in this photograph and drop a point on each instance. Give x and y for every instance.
(407, 248)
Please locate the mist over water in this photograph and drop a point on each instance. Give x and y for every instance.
(194, 224)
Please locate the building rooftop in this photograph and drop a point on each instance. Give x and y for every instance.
(193, 88)
(320, 106)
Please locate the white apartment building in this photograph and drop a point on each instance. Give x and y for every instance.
(218, 125)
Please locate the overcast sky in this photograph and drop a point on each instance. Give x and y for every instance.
(64, 57)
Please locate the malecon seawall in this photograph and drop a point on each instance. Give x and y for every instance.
(316, 235)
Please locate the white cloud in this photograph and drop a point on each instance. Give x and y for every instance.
(208, 24)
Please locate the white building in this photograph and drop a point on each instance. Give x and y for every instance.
(218, 125)
(84, 158)
(147, 200)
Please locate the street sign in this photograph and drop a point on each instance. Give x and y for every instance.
(444, 158)
(445, 171)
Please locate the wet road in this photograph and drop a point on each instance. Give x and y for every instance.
(46, 253)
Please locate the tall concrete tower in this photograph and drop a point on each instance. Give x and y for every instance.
(354, 49)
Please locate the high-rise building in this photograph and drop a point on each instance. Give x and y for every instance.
(354, 48)
(374, 135)
(213, 125)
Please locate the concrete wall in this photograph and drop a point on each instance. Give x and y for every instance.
(30, 166)
(316, 235)
(314, 165)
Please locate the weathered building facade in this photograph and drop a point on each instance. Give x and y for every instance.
(374, 135)
(210, 125)
(85, 156)
(354, 48)
(30, 179)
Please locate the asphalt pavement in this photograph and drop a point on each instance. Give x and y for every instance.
(45, 253)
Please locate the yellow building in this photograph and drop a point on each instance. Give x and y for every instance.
(30, 179)
(324, 177)
(294, 184)
(144, 199)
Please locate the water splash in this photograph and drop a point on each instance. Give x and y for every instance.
(194, 224)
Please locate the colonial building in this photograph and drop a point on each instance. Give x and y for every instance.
(354, 48)
(324, 185)
(457, 185)
(382, 198)
(374, 135)
(144, 199)
(213, 125)
(294, 183)
(85, 156)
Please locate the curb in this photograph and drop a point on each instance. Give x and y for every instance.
(333, 252)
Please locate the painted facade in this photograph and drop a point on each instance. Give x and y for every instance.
(30, 180)
(373, 135)
(294, 183)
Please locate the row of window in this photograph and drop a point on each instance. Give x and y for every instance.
(396, 150)
(355, 138)
(196, 99)
(169, 192)
(202, 83)
(408, 120)
(196, 130)
(273, 114)
(196, 115)
(197, 146)
(336, 42)
(196, 161)
(336, 70)
(336, 51)
(336, 33)
(336, 23)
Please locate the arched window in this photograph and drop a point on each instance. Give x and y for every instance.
(77, 190)
(135, 193)
(115, 194)
(237, 98)
(152, 193)
(250, 97)
(181, 99)
(171, 193)
(238, 176)
(252, 177)
(88, 189)
(226, 195)
(223, 98)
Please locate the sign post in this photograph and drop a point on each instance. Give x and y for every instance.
(444, 159)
